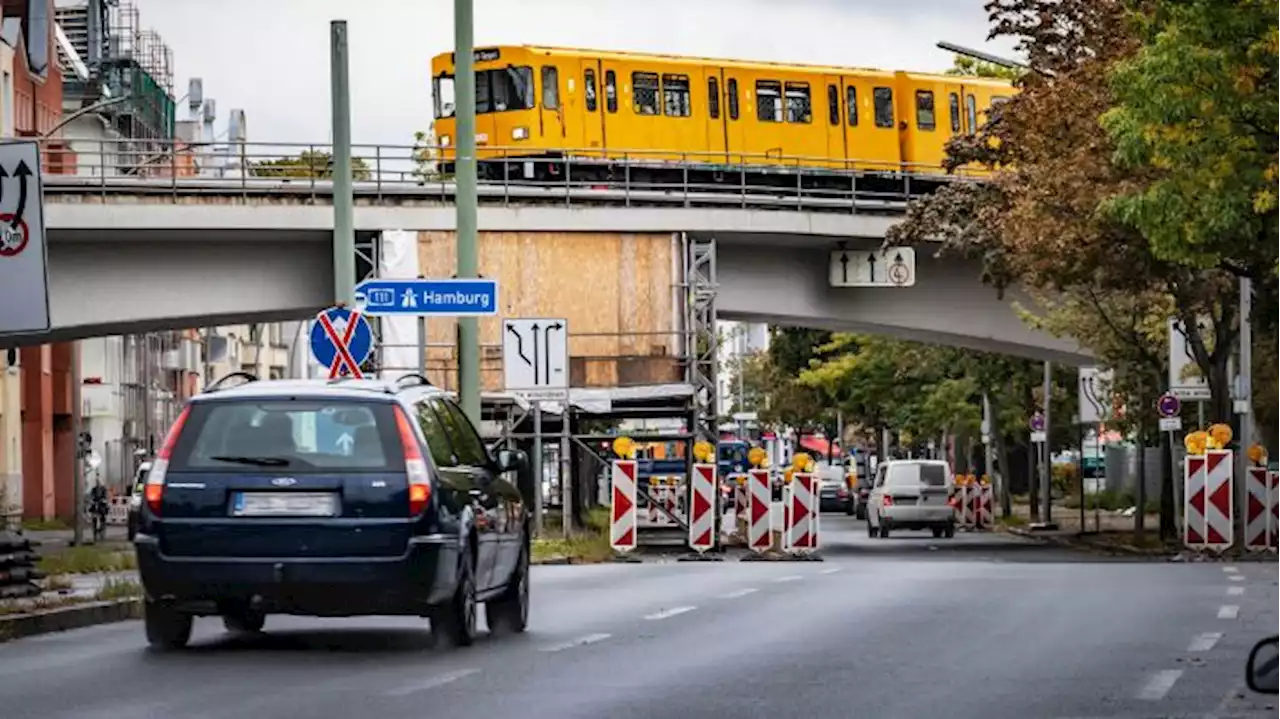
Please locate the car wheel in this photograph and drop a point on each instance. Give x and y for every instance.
(872, 530)
(950, 531)
(456, 621)
(937, 532)
(850, 510)
(244, 620)
(167, 629)
(884, 531)
(509, 614)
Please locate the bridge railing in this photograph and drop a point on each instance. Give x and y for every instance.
(508, 174)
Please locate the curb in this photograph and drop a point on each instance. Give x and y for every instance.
(17, 626)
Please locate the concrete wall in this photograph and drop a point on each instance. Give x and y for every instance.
(617, 291)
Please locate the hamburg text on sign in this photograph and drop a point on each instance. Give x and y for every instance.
(24, 283)
(893, 267)
(448, 297)
(535, 357)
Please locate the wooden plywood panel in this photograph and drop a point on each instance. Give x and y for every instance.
(614, 289)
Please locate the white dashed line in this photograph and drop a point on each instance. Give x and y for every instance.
(1204, 642)
(739, 593)
(1230, 569)
(665, 613)
(432, 682)
(831, 570)
(1228, 611)
(789, 578)
(1159, 684)
(1235, 591)
(1236, 577)
(579, 642)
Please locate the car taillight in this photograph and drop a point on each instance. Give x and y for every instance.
(414, 466)
(153, 492)
(842, 492)
(886, 501)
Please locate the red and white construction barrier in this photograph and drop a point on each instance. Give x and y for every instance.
(664, 493)
(622, 525)
(1262, 514)
(1208, 511)
(801, 518)
(983, 500)
(759, 514)
(702, 503)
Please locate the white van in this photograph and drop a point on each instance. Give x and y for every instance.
(912, 494)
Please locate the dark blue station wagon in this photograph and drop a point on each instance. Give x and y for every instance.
(331, 498)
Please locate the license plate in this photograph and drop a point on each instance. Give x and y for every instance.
(285, 504)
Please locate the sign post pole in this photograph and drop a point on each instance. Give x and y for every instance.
(465, 184)
(538, 498)
(1169, 407)
(344, 235)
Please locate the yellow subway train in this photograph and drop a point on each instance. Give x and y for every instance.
(544, 111)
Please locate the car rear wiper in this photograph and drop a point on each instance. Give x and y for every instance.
(259, 461)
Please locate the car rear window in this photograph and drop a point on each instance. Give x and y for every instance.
(294, 436)
(932, 475)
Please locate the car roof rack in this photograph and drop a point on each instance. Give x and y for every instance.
(217, 385)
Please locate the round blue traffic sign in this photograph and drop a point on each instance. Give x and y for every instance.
(338, 342)
(1037, 422)
(1168, 405)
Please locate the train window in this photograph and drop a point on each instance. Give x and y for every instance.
(589, 89)
(675, 95)
(713, 98)
(833, 104)
(851, 105)
(971, 112)
(768, 101)
(954, 106)
(443, 96)
(610, 91)
(925, 119)
(731, 92)
(644, 92)
(550, 88)
(799, 104)
(883, 97)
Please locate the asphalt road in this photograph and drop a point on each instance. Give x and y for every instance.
(979, 626)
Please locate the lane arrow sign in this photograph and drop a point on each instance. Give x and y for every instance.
(24, 172)
(534, 327)
(871, 263)
(844, 267)
(519, 345)
(547, 355)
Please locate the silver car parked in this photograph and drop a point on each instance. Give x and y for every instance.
(912, 494)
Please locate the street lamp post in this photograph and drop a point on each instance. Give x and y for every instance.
(465, 184)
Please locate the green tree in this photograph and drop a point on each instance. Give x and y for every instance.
(426, 155)
(309, 164)
(963, 65)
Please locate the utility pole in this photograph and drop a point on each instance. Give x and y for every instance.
(344, 234)
(1046, 482)
(465, 197)
(1244, 405)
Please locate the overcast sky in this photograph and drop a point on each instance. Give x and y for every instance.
(271, 57)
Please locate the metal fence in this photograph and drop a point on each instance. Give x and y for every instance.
(509, 175)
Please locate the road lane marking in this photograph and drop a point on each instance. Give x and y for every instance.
(579, 642)
(432, 682)
(1204, 642)
(1235, 591)
(665, 613)
(831, 570)
(1159, 684)
(739, 593)
(1230, 570)
(1228, 611)
(789, 578)
(1236, 577)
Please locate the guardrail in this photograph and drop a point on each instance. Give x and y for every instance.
(572, 176)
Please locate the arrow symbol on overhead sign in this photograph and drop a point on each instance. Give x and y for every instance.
(535, 353)
(547, 354)
(23, 172)
(519, 344)
(871, 265)
(844, 267)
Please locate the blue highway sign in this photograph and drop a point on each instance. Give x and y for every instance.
(341, 339)
(446, 298)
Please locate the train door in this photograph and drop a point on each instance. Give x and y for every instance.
(613, 124)
(680, 126)
(715, 117)
(833, 121)
(551, 104)
(590, 115)
(735, 119)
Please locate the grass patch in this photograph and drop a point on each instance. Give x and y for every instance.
(44, 525)
(116, 589)
(38, 604)
(1012, 520)
(57, 583)
(87, 560)
(586, 549)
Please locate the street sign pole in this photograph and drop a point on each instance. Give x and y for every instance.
(465, 194)
(1046, 498)
(344, 234)
(1245, 405)
(538, 498)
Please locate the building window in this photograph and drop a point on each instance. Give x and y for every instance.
(644, 92)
